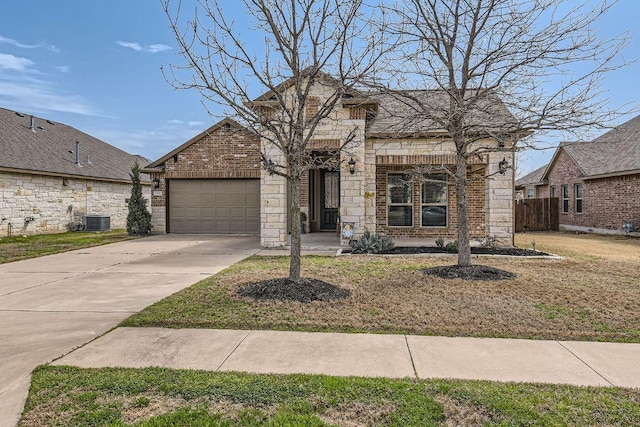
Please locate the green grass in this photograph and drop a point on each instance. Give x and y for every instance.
(19, 247)
(157, 397)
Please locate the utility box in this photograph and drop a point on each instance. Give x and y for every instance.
(97, 223)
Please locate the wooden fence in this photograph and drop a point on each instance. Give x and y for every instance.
(537, 214)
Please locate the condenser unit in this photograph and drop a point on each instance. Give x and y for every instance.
(97, 223)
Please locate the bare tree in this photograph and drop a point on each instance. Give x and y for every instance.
(295, 46)
(541, 59)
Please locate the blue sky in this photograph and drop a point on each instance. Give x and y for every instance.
(95, 65)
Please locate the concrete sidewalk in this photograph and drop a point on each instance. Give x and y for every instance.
(372, 355)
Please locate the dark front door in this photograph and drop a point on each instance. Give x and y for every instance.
(330, 199)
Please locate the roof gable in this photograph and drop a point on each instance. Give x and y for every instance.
(49, 147)
(227, 122)
(532, 178)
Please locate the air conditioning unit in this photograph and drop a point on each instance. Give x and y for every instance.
(97, 223)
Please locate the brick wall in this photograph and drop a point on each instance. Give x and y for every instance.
(475, 199)
(53, 202)
(606, 202)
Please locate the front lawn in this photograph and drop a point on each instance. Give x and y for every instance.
(154, 397)
(20, 247)
(593, 294)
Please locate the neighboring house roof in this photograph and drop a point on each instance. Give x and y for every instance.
(616, 152)
(413, 113)
(45, 149)
(156, 166)
(532, 178)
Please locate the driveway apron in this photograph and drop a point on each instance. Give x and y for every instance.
(53, 304)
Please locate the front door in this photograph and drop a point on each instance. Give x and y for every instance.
(329, 199)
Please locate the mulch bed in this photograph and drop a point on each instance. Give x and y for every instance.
(305, 290)
(472, 272)
(411, 250)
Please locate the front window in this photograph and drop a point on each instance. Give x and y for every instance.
(565, 199)
(434, 200)
(399, 200)
(578, 198)
(529, 193)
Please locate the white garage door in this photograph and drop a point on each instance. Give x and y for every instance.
(214, 206)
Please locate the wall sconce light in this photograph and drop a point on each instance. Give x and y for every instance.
(271, 167)
(503, 166)
(352, 166)
(156, 183)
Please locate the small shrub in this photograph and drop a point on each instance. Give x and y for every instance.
(452, 246)
(374, 243)
(440, 243)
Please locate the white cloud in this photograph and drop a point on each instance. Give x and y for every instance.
(16, 43)
(14, 63)
(38, 96)
(63, 68)
(154, 48)
(195, 123)
(175, 122)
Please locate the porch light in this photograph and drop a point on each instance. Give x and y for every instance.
(156, 183)
(503, 166)
(352, 166)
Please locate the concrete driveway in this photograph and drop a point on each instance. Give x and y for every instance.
(53, 304)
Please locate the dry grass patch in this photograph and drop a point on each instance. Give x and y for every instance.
(587, 297)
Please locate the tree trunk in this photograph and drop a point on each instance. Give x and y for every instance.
(294, 212)
(464, 247)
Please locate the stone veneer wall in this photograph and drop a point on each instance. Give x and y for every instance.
(53, 205)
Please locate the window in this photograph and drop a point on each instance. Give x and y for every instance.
(554, 191)
(565, 199)
(434, 200)
(578, 193)
(399, 200)
(529, 193)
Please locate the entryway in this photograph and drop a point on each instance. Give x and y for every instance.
(324, 199)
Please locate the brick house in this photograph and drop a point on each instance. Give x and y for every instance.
(597, 182)
(531, 186)
(215, 182)
(52, 174)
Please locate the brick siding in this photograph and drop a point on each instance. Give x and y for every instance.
(606, 202)
(475, 200)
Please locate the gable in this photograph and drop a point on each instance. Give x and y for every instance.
(225, 150)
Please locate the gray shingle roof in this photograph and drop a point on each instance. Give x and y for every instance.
(413, 113)
(532, 178)
(615, 152)
(47, 150)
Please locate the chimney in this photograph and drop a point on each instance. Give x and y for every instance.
(32, 123)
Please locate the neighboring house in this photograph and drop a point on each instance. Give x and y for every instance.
(52, 174)
(215, 182)
(531, 186)
(597, 182)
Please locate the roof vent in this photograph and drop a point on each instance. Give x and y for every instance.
(19, 114)
(31, 123)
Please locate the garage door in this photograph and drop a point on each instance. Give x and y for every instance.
(214, 206)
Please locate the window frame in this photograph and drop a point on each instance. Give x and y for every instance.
(390, 204)
(530, 193)
(553, 191)
(577, 189)
(445, 204)
(564, 193)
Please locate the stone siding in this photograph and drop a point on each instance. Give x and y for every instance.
(53, 202)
